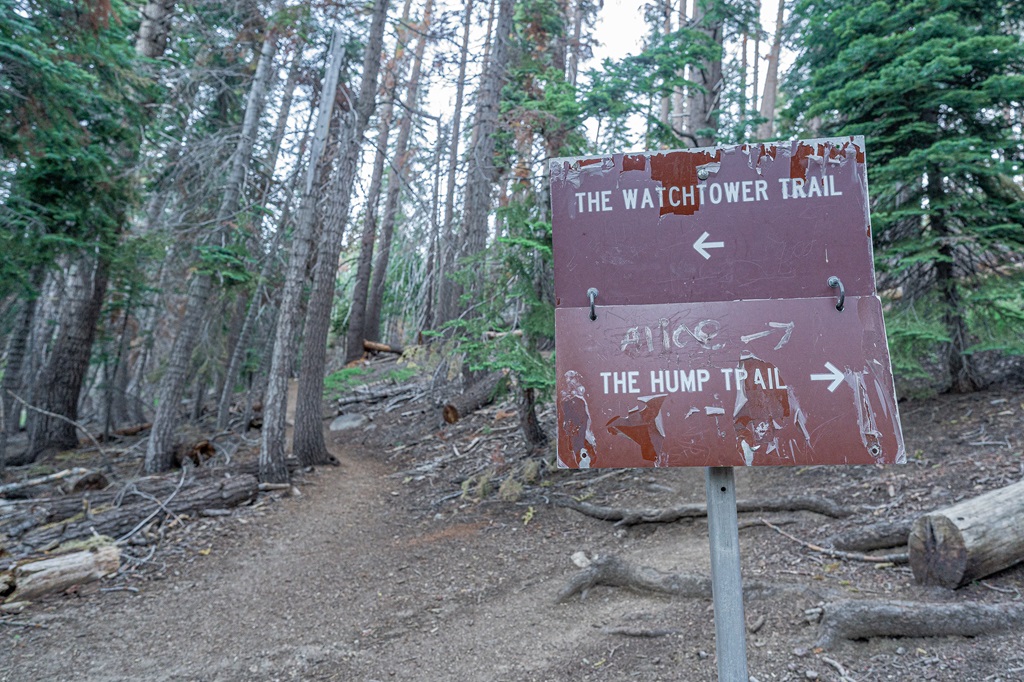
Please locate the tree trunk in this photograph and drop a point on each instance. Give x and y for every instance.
(361, 285)
(160, 450)
(61, 382)
(471, 399)
(528, 422)
(572, 68)
(702, 100)
(771, 80)
(482, 171)
(959, 363)
(396, 178)
(757, 60)
(665, 109)
(678, 95)
(16, 354)
(242, 344)
(309, 443)
(432, 265)
(970, 540)
(272, 435)
(446, 249)
(855, 619)
(154, 28)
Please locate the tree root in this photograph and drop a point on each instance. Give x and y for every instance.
(864, 619)
(612, 571)
(632, 517)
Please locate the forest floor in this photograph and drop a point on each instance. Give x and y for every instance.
(406, 563)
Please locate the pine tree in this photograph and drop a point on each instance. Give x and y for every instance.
(934, 86)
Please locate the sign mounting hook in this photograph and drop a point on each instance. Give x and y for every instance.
(834, 282)
(592, 294)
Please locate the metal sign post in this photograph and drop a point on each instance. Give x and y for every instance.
(726, 581)
(716, 307)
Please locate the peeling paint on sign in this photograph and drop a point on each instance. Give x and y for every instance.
(737, 397)
(714, 337)
(714, 224)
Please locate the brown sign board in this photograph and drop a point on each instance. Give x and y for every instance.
(755, 382)
(753, 221)
(696, 309)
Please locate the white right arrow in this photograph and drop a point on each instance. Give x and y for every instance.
(701, 246)
(834, 375)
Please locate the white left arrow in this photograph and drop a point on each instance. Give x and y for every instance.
(834, 375)
(702, 245)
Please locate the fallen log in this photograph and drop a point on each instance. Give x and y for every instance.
(632, 517)
(34, 579)
(471, 399)
(374, 347)
(881, 535)
(612, 571)
(864, 619)
(55, 509)
(897, 558)
(40, 480)
(970, 540)
(116, 521)
(375, 395)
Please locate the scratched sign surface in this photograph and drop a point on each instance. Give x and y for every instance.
(646, 228)
(726, 384)
(717, 341)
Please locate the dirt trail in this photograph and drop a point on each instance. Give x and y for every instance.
(365, 576)
(342, 583)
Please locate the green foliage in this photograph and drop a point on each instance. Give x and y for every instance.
(934, 86)
(343, 380)
(231, 264)
(70, 110)
(515, 322)
(628, 87)
(635, 85)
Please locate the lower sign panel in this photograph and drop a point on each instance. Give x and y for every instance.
(766, 382)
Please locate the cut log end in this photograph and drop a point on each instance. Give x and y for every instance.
(938, 555)
(972, 539)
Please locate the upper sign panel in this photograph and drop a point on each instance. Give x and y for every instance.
(714, 224)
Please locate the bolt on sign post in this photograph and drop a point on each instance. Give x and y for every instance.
(717, 307)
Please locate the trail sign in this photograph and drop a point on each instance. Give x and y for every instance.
(716, 224)
(717, 307)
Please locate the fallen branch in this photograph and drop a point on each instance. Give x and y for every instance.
(161, 506)
(40, 480)
(611, 571)
(863, 619)
(96, 443)
(632, 517)
(898, 558)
